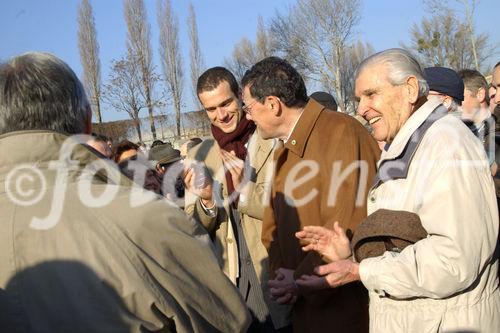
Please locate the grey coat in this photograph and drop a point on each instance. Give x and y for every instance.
(119, 266)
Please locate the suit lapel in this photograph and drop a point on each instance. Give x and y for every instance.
(259, 150)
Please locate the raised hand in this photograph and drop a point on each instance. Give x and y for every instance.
(235, 167)
(332, 245)
(199, 183)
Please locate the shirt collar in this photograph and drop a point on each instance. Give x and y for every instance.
(293, 127)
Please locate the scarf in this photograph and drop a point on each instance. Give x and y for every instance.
(234, 141)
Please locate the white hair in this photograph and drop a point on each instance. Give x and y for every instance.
(401, 66)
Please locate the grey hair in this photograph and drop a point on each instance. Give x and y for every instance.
(401, 66)
(38, 91)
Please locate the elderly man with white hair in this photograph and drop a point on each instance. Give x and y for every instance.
(433, 166)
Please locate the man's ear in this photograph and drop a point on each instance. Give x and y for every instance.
(274, 105)
(447, 102)
(412, 88)
(481, 95)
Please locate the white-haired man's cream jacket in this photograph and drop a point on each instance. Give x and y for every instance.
(447, 282)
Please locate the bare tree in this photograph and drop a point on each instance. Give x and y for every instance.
(139, 49)
(315, 35)
(242, 58)
(89, 56)
(355, 54)
(196, 59)
(123, 92)
(264, 43)
(246, 54)
(440, 7)
(170, 56)
(443, 40)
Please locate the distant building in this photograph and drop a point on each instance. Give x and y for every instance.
(193, 124)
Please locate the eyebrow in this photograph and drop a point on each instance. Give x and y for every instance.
(369, 92)
(224, 102)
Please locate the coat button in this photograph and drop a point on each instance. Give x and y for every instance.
(229, 240)
(294, 142)
(372, 198)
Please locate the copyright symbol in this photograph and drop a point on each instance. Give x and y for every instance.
(22, 184)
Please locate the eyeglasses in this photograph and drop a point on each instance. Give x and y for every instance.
(248, 108)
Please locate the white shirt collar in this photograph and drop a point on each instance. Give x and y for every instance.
(293, 128)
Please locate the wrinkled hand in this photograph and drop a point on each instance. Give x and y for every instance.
(331, 275)
(332, 245)
(235, 167)
(198, 183)
(283, 288)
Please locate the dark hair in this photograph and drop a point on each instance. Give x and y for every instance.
(38, 91)
(473, 80)
(274, 76)
(131, 166)
(122, 147)
(100, 137)
(325, 99)
(214, 76)
(498, 64)
(193, 142)
(157, 143)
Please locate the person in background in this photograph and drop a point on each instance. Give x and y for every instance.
(157, 143)
(476, 113)
(124, 150)
(186, 146)
(325, 99)
(101, 144)
(447, 87)
(167, 162)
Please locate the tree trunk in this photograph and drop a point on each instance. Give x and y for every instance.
(97, 111)
(138, 129)
(150, 112)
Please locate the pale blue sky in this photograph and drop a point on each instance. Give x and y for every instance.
(51, 25)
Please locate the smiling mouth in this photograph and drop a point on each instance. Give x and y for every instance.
(227, 121)
(374, 120)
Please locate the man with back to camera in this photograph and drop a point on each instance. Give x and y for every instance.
(101, 265)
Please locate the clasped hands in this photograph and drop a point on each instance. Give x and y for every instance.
(200, 183)
(335, 248)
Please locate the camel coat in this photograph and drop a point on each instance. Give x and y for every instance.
(322, 175)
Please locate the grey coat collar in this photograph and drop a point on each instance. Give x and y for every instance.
(396, 167)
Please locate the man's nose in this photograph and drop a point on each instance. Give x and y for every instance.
(361, 109)
(221, 113)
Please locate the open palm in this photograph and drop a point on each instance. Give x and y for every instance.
(332, 245)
